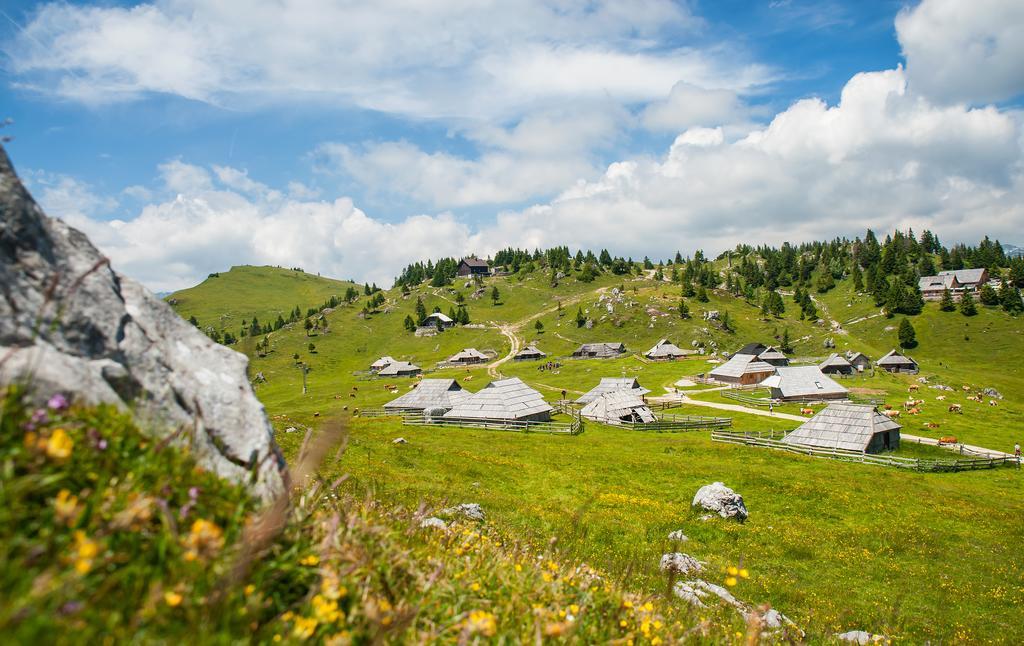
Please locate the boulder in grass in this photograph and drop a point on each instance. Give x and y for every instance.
(433, 523)
(467, 510)
(399, 440)
(861, 637)
(722, 500)
(699, 594)
(679, 563)
(678, 536)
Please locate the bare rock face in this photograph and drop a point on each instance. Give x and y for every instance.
(722, 500)
(69, 323)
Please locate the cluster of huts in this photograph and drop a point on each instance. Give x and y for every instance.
(663, 350)
(758, 364)
(503, 399)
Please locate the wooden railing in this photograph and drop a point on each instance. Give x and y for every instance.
(673, 423)
(772, 440)
(573, 427)
(747, 399)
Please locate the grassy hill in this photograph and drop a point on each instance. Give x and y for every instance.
(834, 546)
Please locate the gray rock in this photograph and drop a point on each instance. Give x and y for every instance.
(722, 500)
(941, 387)
(699, 593)
(679, 563)
(73, 325)
(399, 440)
(992, 392)
(861, 637)
(434, 523)
(678, 536)
(468, 510)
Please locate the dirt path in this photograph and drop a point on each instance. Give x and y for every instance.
(513, 338)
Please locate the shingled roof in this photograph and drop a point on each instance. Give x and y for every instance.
(600, 350)
(469, 355)
(617, 407)
(505, 399)
(399, 368)
(430, 393)
(842, 426)
(530, 352)
(611, 385)
(893, 358)
(739, 365)
(803, 382)
(383, 362)
(835, 362)
(665, 349)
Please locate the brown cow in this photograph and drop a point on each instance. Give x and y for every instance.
(892, 414)
(888, 407)
(913, 388)
(914, 411)
(941, 398)
(948, 439)
(967, 389)
(806, 411)
(932, 424)
(956, 408)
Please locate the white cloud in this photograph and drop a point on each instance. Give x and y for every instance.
(959, 51)
(448, 58)
(688, 105)
(180, 177)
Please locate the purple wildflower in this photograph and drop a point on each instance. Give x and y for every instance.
(57, 402)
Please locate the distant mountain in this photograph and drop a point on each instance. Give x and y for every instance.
(1013, 251)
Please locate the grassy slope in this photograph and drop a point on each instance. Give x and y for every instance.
(827, 541)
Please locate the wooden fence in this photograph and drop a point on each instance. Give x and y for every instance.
(417, 418)
(773, 440)
(748, 399)
(672, 423)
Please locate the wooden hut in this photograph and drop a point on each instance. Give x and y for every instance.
(599, 350)
(611, 385)
(381, 363)
(473, 267)
(618, 407)
(529, 353)
(859, 361)
(836, 365)
(399, 369)
(743, 369)
(896, 362)
(665, 350)
(430, 394)
(853, 427)
(506, 400)
(467, 357)
(803, 384)
(773, 357)
(437, 319)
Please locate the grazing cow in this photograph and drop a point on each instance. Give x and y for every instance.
(948, 439)
(344, 407)
(992, 402)
(892, 414)
(355, 387)
(913, 388)
(351, 394)
(888, 407)
(941, 398)
(468, 378)
(932, 424)
(956, 408)
(914, 411)
(806, 411)
(967, 389)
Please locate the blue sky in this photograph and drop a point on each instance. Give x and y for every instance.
(185, 137)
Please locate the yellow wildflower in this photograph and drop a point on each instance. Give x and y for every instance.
(325, 610)
(519, 568)
(173, 599)
(204, 539)
(483, 622)
(66, 507)
(573, 608)
(310, 560)
(733, 571)
(86, 551)
(730, 581)
(744, 574)
(304, 627)
(475, 587)
(249, 589)
(59, 445)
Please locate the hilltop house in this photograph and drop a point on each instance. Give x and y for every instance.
(859, 361)
(618, 407)
(803, 384)
(381, 363)
(430, 394)
(473, 267)
(505, 400)
(665, 350)
(956, 281)
(437, 319)
(599, 350)
(467, 357)
(399, 369)
(611, 385)
(529, 353)
(896, 362)
(742, 369)
(836, 365)
(853, 427)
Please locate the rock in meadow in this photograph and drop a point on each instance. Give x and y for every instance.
(678, 536)
(468, 510)
(722, 500)
(679, 563)
(433, 523)
(70, 324)
(861, 637)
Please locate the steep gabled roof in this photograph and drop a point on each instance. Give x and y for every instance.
(382, 362)
(467, 355)
(531, 351)
(965, 276)
(601, 349)
(803, 381)
(739, 365)
(444, 318)
(475, 262)
(613, 384)
(853, 357)
(842, 426)
(505, 399)
(665, 348)
(617, 407)
(752, 349)
(893, 358)
(431, 393)
(399, 368)
(771, 353)
(835, 361)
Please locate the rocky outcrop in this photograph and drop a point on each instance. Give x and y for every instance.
(467, 510)
(71, 324)
(722, 500)
(679, 563)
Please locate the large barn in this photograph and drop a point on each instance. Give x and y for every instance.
(599, 350)
(803, 384)
(506, 400)
(430, 394)
(896, 362)
(743, 369)
(665, 350)
(853, 427)
(836, 364)
(611, 385)
(618, 407)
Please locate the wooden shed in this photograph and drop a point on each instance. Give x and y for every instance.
(836, 364)
(400, 369)
(859, 361)
(618, 407)
(773, 357)
(852, 427)
(743, 369)
(430, 394)
(437, 319)
(467, 357)
(611, 385)
(381, 363)
(803, 384)
(473, 267)
(896, 362)
(599, 350)
(665, 350)
(529, 353)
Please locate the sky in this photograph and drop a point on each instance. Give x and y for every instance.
(352, 138)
